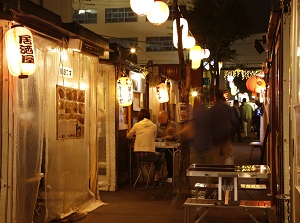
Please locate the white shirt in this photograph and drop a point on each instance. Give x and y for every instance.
(145, 132)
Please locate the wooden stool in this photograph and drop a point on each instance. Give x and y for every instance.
(147, 166)
(255, 145)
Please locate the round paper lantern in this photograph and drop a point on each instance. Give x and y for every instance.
(162, 93)
(141, 7)
(159, 13)
(230, 78)
(206, 53)
(124, 91)
(20, 51)
(255, 84)
(189, 42)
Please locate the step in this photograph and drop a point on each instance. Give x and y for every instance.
(199, 202)
(253, 186)
(255, 204)
(205, 185)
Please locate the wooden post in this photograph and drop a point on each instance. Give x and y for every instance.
(184, 97)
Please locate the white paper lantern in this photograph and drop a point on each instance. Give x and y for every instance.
(159, 13)
(206, 53)
(124, 91)
(141, 7)
(195, 64)
(189, 42)
(233, 90)
(20, 51)
(230, 78)
(231, 84)
(162, 93)
(184, 31)
(196, 53)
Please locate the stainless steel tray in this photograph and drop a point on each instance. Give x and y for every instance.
(241, 171)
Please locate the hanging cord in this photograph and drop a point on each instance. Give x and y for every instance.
(61, 65)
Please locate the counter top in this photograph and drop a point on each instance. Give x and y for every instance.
(241, 171)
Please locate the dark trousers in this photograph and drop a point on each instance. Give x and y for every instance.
(154, 157)
(236, 131)
(169, 158)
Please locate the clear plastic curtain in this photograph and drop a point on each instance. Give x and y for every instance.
(27, 125)
(67, 161)
(70, 169)
(106, 99)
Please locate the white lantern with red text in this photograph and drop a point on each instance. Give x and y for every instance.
(162, 93)
(159, 13)
(20, 51)
(141, 7)
(124, 91)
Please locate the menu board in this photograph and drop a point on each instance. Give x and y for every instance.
(70, 106)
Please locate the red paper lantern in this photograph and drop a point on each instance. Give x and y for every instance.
(255, 84)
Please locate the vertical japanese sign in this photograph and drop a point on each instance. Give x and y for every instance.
(20, 52)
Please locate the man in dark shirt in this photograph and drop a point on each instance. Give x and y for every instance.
(221, 130)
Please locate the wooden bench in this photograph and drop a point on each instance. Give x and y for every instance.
(194, 202)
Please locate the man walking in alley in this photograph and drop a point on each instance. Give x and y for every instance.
(246, 115)
(237, 122)
(221, 130)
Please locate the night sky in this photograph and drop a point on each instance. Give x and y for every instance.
(259, 14)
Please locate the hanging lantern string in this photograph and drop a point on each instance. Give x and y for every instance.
(244, 73)
(19, 5)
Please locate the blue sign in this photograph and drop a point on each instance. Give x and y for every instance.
(206, 81)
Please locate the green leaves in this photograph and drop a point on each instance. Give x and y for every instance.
(216, 24)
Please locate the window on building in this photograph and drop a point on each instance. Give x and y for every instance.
(125, 42)
(85, 16)
(114, 15)
(162, 43)
(172, 15)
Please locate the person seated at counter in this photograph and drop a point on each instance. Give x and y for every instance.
(144, 146)
(166, 131)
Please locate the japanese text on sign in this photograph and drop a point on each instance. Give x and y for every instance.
(66, 72)
(26, 49)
